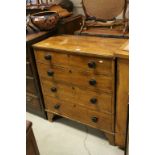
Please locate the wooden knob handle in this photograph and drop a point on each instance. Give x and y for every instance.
(57, 106)
(92, 64)
(92, 82)
(54, 89)
(48, 57)
(94, 119)
(93, 100)
(50, 73)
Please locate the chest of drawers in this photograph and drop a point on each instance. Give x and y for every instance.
(78, 78)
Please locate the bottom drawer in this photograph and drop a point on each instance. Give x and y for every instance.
(33, 102)
(78, 113)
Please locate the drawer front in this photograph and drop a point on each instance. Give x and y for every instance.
(28, 69)
(33, 102)
(52, 58)
(58, 91)
(90, 64)
(98, 101)
(79, 113)
(30, 85)
(76, 77)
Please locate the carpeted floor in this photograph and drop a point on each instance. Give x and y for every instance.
(65, 137)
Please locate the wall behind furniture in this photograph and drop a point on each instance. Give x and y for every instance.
(78, 6)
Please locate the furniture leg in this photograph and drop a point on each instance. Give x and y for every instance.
(50, 116)
(110, 138)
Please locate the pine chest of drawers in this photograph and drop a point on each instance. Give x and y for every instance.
(77, 76)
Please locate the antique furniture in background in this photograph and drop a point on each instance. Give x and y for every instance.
(31, 145)
(101, 18)
(69, 24)
(34, 6)
(66, 4)
(116, 32)
(103, 10)
(34, 100)
(61, 11)
(46, 20)
(78, 76)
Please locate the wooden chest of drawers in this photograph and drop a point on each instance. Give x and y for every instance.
(77, 76)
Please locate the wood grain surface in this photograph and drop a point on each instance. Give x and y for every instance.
(122, 99)
(104, 122)
(82, 45)
(102, 65)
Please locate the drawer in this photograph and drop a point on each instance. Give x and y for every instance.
(30, 85)
(98, 101)
(52, 58)
(97, 120)
(33, 102)
(90, 64)
(59, 91)
(28, 69)
(76, 77)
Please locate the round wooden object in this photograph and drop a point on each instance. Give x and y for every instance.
(45, 20)
(103, 9)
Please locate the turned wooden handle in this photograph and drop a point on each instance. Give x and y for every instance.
(92, 82)
(94, 119)
(54, 89)
(50, 73)
(57, 106)
(48, 57)
(93, 100)
(92, 64)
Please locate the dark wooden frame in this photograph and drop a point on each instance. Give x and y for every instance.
(30, 53)
(31, 145)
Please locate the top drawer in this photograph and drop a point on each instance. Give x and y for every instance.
(90, 64)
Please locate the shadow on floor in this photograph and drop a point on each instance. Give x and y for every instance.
(80, 126)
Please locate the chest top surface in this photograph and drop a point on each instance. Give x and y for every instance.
(85, 45)
(123, 51)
